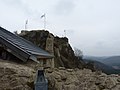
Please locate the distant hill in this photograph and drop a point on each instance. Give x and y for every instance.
(109, 60)
(113, 61)
(109, 65)
(95, 58)
(103, 67)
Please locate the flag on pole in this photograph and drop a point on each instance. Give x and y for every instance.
(26, 21)
(43, 16)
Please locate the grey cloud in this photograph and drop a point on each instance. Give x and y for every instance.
(91, 25)
(19, 5)
(65, 6)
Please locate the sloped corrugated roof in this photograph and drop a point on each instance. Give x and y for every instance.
(23, 44)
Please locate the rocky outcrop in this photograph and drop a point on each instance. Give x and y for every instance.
(14, 76)
(67, 75)
(75, 79)
(59, 47)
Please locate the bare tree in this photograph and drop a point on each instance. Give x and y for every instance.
(78, 53)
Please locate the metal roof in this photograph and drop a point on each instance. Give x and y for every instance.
(22, 44)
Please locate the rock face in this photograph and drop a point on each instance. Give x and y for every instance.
(75, 79)
(15, 76)
(59, 47)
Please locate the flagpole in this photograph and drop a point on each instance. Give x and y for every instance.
(26, 22)
(65, 32)
(25, 26)
(45, 21)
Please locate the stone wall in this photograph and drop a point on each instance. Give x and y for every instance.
(14, 76)
(75, 79)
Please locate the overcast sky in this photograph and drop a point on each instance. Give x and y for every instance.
(91, 25)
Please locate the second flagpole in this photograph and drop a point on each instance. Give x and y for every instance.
(44, 22)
